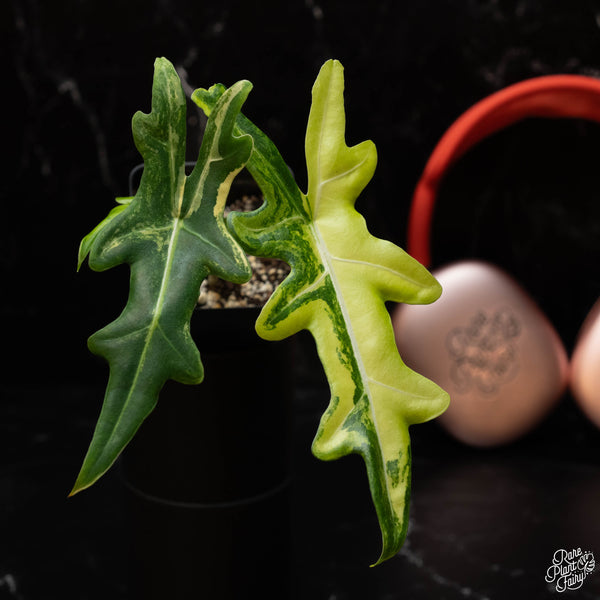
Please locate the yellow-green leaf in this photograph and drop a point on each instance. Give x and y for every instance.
(341, 276)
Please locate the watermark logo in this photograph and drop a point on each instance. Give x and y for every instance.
(569, 568)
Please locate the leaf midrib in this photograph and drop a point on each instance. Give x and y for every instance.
(367, 263)
(177, 223)
(155, 322)
(325, 258)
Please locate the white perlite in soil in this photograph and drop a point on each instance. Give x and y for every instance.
(267, 274)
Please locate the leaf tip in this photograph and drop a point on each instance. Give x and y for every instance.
(89, 474)
(82, 254)
(332, 64)
(79, 486)
(431, 293)
(160, 62)
(390, 550)
(331, 69)
(206, 99)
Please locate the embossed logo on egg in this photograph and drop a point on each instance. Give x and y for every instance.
(483, 353)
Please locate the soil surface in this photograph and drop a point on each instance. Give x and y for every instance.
(267, 274)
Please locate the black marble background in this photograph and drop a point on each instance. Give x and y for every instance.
(74, 73)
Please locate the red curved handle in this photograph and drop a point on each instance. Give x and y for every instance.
(570, 96)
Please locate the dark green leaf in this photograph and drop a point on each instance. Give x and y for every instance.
(172, 235)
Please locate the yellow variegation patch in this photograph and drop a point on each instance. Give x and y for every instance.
(341, 276)
(172, 237)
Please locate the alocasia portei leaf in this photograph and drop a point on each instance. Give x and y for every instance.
(172, 234)
(341, 276)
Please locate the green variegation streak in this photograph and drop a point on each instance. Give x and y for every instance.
(340, 279)
(172, 234)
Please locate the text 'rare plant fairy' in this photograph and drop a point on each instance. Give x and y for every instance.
(173, 234)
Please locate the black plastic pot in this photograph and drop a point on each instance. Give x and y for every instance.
(207, 475)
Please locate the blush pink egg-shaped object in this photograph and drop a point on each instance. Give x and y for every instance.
(585, 366)
(490, 347)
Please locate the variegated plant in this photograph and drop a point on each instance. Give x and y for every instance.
(341, 276)
(172, 234)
